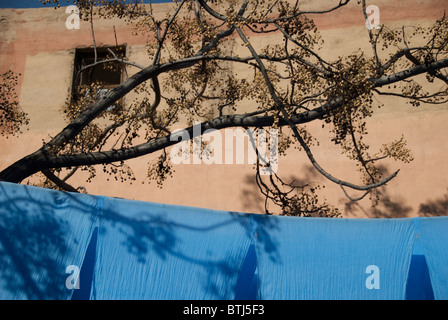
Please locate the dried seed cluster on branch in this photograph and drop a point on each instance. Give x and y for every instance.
(12, 118)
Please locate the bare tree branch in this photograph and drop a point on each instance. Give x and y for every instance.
(60, 183)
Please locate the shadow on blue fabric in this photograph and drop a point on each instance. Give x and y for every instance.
(419, 283)
(247, 285)
(139, 250)
(41, 233)
(87, 269)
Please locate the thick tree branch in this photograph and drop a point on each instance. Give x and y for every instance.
(60, 183)
(47, 157)
(411, 72)
(40, 160)
(339, 5)
(293, 127)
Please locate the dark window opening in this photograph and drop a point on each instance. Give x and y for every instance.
(94, 79)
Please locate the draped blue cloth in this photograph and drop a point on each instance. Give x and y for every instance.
(42, 232)
(323, 258)
(129, 249)
(156, 251)
(433, 234)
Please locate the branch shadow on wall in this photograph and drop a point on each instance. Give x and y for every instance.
(254, 201)
(395, 206)
(251, 197)
(387, 206)
(433, 208)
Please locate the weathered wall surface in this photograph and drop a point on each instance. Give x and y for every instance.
(36, 43)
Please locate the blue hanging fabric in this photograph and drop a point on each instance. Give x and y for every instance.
(433, 234)
(128, 249)
(155, 251)
(43, 239)
(321, 258)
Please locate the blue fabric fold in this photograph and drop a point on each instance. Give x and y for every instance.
(156, 251)
(321, 258)
(433, 235)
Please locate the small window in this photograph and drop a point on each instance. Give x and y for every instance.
(95, 81)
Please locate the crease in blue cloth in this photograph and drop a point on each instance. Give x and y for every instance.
(302, 258)
(153, 251)
(433, 236)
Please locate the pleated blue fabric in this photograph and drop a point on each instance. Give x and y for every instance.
(433, 233)
(156, 251)
(42, 234)
(127, 249)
